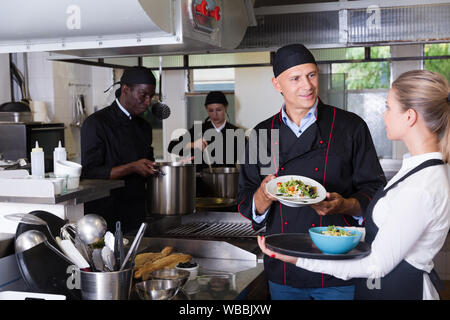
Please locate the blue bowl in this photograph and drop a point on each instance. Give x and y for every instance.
(334, 244)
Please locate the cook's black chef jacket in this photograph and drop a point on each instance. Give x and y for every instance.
(206, 125)
(337, 151)
(110, 138)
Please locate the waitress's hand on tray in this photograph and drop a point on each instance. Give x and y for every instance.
(335, 203)
(263, 199)
(272, 254)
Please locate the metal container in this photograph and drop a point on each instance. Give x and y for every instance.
(106, 285)
(172, 191)
(16, 116)
(221, 182)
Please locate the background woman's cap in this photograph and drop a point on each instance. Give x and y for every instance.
(216, 97)
(290, 56)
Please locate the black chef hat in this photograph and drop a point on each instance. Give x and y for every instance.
(216, 97)
(138, 75)
(290, 56)
(135, 75)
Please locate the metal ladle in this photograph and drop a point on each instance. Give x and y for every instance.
(91, 228)
(27, 218)
(31, 238)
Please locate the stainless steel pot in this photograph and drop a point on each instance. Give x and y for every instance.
(221, 182)
(172, 192)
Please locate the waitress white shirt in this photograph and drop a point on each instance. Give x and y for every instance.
(413, 221)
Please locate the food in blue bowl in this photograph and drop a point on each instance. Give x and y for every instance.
(335, 240)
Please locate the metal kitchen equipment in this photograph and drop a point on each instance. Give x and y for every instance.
(91, 228)
(17, 140)
(134, 247)
(86, 28)
(42, 269)
(210, 203)
(28, 219)
(225, 252)
(106, 285)
(158, 289)
(31, 238)
(15, 112)
(207, 226)
(222, 182)
(173, 192)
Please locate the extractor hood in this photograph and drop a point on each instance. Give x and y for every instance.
(111, 28)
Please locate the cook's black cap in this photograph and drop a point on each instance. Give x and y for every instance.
(135, 75)
(216, 97)
(290, 56)
(138, 75)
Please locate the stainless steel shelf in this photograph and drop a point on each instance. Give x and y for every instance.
(88, 190)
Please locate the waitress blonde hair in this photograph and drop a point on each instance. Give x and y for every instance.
(427, 92)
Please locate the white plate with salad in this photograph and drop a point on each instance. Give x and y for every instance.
(296, 191)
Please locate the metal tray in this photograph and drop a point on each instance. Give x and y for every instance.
(301, 245)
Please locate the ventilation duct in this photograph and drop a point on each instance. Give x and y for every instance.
(348, 23)
(108, 28)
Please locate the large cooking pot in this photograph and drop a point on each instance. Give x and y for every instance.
(172, 191)
(221, 182)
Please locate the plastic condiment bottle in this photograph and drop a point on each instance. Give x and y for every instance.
(37, 162)
(59, 154)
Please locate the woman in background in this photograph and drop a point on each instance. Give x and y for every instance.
(407, 221)
(216, 105)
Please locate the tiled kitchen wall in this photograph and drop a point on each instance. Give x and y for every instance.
(59, 83)
(5, 78)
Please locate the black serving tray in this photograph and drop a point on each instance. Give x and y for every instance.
(300, 245)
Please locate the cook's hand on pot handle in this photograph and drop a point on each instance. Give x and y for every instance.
(263, 199)
(145, 167)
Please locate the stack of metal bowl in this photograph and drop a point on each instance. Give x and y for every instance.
(164, 284)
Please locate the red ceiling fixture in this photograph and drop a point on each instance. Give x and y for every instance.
(215, 13)
(202, 8)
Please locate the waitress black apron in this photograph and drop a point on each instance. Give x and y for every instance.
(404, 282)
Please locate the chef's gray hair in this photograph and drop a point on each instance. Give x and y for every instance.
(427, 93)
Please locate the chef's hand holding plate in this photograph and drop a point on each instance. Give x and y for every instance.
(273, 254)
(334, 203)
(263, 199)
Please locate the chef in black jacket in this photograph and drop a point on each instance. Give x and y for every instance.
(117, 144)
(322, 142)
(216, 106)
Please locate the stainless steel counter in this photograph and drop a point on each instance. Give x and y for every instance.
(88, 190)
(221, 279)
(229, 266)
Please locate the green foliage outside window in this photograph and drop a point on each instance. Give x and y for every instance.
(365, 75)
(441, 66)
